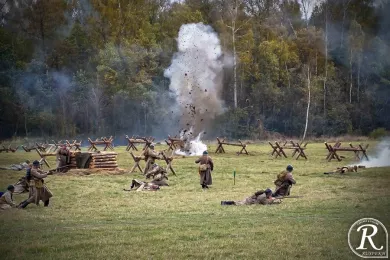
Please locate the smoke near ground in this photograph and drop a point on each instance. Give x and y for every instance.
(196, 77)
(381, 157)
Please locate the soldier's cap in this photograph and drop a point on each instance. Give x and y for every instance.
(205, 152)
(10, 187)
(268, 190)
(36, 163)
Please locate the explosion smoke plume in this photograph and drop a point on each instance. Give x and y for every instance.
(196, 77)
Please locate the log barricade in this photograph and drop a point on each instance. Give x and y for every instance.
(174, 143)
(223, 141)
(107, 142)
(360, 151)
(103, 160)
(298, 149)
(134, 140)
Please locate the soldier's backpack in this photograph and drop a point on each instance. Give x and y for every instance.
(28, 174)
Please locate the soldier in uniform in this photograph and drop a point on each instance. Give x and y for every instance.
(206, 166)
(6, 200)
(159, 175)
(284, 182)
(150, 156)
(345, 169)
(142, 186)
(38, 190)
(63, 158)
(260, 197)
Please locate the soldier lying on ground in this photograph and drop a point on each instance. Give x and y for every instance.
(142, 186)
(345, 169)
(260, 197)
(284, 182)
(6, 200)
(19, 166)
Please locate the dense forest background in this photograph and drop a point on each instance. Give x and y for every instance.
(96, 67)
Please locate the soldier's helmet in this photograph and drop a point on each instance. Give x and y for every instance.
(36, 163)
(289, 168)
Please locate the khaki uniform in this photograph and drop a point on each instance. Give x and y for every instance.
(143, 186)
(283, 183)
(150, 156)
(6, 201)
(21, 186)
(344, 169)
(260, 199)
(63, 158)
(159, 176)
(205, 176)
(38, 190)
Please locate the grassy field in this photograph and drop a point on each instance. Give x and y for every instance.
(91, 217)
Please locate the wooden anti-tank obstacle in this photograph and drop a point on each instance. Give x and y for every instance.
(298, 149)
(138, 159)
(132, 141)
(223, 141)
(107, 142)
(174, 142)
(8, 149)
(359, 151)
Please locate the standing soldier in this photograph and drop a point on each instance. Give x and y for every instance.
(150, 155)
(284, 181)
(38, 190)
(206, 166)
(6, 200)
(63, 158)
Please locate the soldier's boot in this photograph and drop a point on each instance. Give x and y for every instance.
(46, 203)
(23, 204)
(227, 202)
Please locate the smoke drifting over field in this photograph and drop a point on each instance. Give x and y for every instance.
(382, 156)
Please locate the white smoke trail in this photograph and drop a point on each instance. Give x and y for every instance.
(382, 157)
(196, 76)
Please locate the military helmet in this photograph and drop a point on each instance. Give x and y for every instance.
(10, 187)
(205, 153)
(290, 168)
(268, 190)
(36, 163)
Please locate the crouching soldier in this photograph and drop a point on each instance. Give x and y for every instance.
(159, 175)
(260, 197)
(284, 182)
(6, 200)
(38, 190)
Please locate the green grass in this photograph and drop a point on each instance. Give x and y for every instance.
(90, 217)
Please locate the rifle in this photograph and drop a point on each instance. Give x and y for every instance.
(287, 197)
(50, 172)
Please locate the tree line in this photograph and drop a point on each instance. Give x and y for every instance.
(95, 67)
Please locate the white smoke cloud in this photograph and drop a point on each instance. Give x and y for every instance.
(382, 156)
(196, 77)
